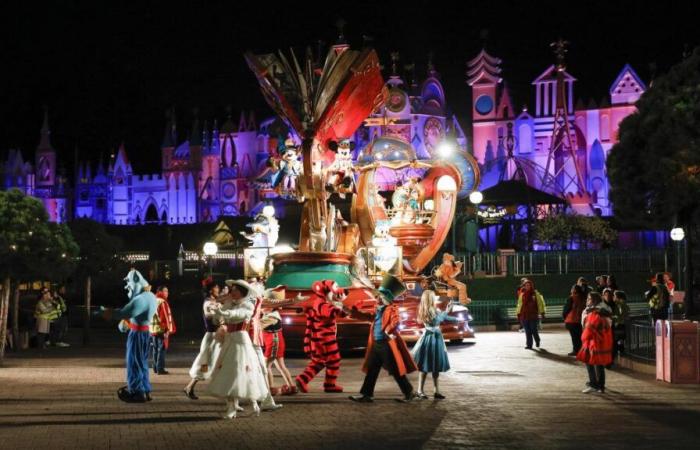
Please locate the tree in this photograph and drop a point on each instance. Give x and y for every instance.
(654, 170)
(564, 231)
(98, 251)
(30, 248)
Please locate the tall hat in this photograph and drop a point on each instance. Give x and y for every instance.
(391, 287)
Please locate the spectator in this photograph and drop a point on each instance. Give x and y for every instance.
(530, 307)
(601, 282)
(584, 284)
(572, 316)
(659, 299)
(670, 285)
(607, 295)
(620, 313)
(596, 342)
(43, 312)
(162, 326)
(59, 318)
(612, 283)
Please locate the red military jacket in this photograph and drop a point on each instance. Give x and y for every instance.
(390, 322)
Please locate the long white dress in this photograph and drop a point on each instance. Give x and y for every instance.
(209, 349)
(237, 373)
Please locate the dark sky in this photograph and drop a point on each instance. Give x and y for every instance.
(108, 73)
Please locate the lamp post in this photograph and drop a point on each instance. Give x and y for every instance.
(677, 235)
(210, 249)
(476, 197)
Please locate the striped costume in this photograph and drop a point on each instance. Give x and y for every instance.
(320, 342)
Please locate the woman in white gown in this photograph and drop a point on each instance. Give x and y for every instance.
(237, 374)
(209, 349)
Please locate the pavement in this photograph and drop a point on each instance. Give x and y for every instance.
(499, 395)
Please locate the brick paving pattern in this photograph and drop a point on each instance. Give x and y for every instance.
(498, 396)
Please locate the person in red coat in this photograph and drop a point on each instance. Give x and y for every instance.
(320, 341)
(597, 342)
(385, 348)
(162, 326)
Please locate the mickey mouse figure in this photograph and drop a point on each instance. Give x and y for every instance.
(290, 168)
(340, 172)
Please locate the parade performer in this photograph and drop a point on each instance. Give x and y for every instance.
(270, 298)
(208, 350)
(320, 341)
(274, 346)
(430, 352)
(162, 326)
(136, 318)
(237, 373)
(341, 178)
(448, 271)
(385, 348)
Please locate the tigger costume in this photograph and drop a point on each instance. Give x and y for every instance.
(320, 342)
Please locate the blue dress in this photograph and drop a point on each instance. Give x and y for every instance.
(430, 352)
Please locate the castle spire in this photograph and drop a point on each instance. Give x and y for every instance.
(196, 134)
(45, 134)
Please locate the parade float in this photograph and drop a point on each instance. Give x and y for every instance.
(392, 228)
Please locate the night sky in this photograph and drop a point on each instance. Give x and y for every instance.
(108, 73)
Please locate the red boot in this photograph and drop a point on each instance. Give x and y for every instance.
(301, 386)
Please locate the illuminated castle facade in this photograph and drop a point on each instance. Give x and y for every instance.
(594, 127)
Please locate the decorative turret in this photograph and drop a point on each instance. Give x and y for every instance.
(45, 156)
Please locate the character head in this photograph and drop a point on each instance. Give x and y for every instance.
(330, 290)
(446, 257)
(239, 289)
(382, 229)
(290, 152)
(135, 283)
(342, 148)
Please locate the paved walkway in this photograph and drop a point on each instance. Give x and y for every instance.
(499, 396)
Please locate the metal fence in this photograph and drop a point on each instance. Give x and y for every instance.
(574, 261)
(640, 339)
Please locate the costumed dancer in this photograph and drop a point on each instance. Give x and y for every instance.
(275, 346)
(430, 352)
(269, 298)
(385, 348)
(208, 350)
(448, 271)
(162, 326)
(320, 338)
(237, 374)
(135, 318)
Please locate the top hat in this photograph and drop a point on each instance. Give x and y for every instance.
(391, 287)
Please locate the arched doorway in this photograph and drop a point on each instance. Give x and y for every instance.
(151, 214)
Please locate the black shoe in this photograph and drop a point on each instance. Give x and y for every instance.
(438, 396)
(128, 397)
(361, 398)
(148, 397)
(190, 394)
(537, 345)
(528, 348)
(409, 398)
(163, 372)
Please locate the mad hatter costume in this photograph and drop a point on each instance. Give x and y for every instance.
(135, 318)
(385, 348)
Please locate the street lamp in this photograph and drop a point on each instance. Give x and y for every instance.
(210, 249)
(476, 197)
(677, 235)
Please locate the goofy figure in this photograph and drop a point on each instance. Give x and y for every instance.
(320, 342)
(135, 319)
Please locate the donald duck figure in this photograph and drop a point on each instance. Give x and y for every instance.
(135, 319)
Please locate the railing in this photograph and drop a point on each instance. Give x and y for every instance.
(640, 339)
(572, 261)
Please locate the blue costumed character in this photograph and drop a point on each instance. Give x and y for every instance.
(135, 319)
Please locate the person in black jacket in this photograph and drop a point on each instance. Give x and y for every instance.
(659, 299)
